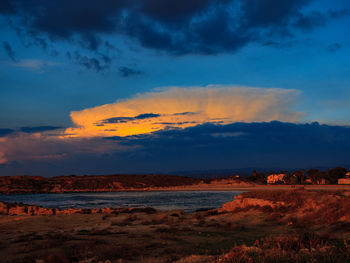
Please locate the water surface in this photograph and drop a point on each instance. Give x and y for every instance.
(189, 201)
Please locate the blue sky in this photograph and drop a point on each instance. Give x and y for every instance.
(58, 58)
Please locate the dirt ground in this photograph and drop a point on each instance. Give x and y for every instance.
(138, 236)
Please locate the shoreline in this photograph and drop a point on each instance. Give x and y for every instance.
(251, 188)
(309, 224)
(200, 188)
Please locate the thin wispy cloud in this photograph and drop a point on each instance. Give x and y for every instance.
(35, 65)
(10, 52)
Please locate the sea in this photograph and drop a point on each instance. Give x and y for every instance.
(189, 201)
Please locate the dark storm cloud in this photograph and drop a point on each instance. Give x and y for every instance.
(127, 119)
(118, 120)
(215, 35)
(129, 72)
(260, 13)
(243, 144)
(203, 147)
(6, 7)
(175, 123)
(90, 41)
(9, 51)
(265, 134)
(146, 116)
(176, 27)
(63, 18)
(174, 11)
(91, 63)
(34, 129)
(28, 129)
(4, 132)
(317, 19)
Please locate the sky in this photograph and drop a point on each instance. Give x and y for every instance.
(152, 86)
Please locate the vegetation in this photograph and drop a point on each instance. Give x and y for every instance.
(108, 183)
(311, 176)
(308, 226)
(296, 247)
(37, 184)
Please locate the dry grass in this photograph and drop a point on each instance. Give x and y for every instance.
(304, 207)
(301, 247)
(311, 227)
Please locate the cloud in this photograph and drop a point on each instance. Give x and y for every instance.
(313, 19)
(33, 64)
(174, 11)
(334, 47)
(6, 7)
(309, 21)
(41, 145)
(176, 27)
(28, 129)
(9, 50)
(128, 119)
(259, 13)
(4, 132)
(239, 145)
(91, 63)
(3, 159)
(184, 107)
(338, 13)
(128, 72)
(207, 146)
(34, 129)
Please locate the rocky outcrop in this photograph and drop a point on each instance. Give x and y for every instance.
(22, 209)
(295, 206)
(240, 202)
(34, 210)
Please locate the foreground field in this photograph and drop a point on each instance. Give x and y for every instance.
(263, 226)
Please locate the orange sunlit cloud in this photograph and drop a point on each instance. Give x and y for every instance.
(145, 113)
(184, 107)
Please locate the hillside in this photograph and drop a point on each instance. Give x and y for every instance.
(102, 183)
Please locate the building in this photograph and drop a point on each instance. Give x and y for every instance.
(276, 178)
(308, 181)
(345, 180)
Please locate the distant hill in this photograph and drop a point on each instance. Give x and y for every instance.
(214, 173)
(96, 183)
(243, 172)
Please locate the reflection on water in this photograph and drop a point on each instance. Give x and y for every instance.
(189, 201)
